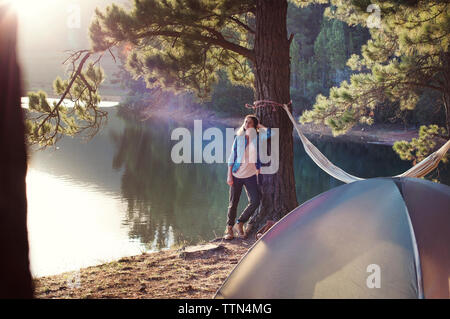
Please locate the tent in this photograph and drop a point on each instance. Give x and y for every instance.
(374, 238)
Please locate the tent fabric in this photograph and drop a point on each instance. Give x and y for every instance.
(327, 247)
(428, 205)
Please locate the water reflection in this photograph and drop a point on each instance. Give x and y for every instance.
(124, 194)
(191, 199)
(73, 225)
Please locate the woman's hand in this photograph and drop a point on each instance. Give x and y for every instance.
(230, 179)
(230, 176)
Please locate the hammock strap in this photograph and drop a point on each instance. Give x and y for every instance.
(419, 170)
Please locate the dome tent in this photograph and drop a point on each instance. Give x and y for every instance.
(326, 247)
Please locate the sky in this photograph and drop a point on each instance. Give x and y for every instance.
(47, 30)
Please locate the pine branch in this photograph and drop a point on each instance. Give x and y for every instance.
(218, 40)
(51, 114)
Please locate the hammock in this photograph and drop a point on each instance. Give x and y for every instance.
(419, 170)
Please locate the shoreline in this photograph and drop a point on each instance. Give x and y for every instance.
(173, 274)
(381, 134)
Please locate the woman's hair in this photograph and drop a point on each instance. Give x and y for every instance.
(255, 122)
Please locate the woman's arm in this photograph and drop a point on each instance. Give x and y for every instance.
(230, 163)
(232, 156)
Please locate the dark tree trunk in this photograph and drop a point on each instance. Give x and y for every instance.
(272, 82)
(446, 99)
(15, 278)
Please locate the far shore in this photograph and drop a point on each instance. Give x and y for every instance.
(383, 134)
(109, 98)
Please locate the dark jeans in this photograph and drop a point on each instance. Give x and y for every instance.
(253, 195)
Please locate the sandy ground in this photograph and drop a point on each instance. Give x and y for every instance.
(165, 274)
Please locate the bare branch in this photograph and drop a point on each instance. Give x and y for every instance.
(110, 52)
(291, 37)
(242, 24)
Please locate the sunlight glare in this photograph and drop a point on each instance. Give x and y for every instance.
(32, 8)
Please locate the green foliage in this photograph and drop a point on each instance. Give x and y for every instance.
(226, 99)
(407, 57)
(46, 122)
(304, 3)
(341, 110)
(229, 99)
(419, 148)
(424, 113)
(180, 45)
(319, 51)
(329, 47)
(408, 54)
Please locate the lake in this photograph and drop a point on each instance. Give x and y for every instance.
(120, 194)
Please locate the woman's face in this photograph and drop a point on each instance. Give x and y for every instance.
(248, 123)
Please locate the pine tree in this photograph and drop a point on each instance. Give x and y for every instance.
(324, 47)
(408, 54)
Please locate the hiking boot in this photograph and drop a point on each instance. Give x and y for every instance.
(248, 230)
(229, 234)
(240, 229)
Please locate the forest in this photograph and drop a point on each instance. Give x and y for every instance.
(319, 55)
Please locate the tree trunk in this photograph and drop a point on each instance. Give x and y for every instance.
(446, 99)
(15, 277)
(272, 82)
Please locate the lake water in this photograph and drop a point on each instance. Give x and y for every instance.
(120, 194)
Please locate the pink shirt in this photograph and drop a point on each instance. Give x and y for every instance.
(247, 167)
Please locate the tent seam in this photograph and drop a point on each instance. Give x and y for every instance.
(414, 244)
